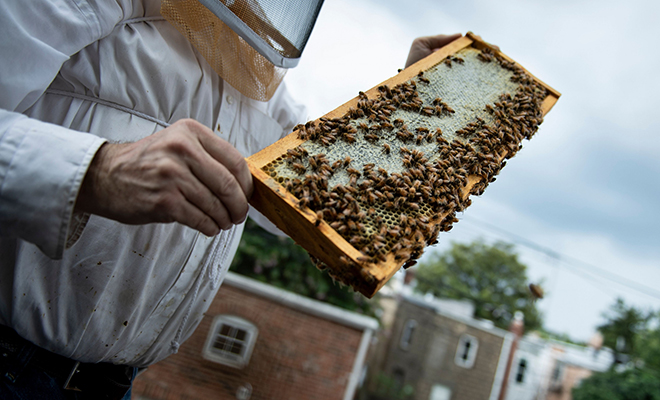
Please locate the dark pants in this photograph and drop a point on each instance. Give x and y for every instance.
(28, 372)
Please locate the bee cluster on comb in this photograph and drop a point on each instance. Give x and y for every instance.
(391, 172)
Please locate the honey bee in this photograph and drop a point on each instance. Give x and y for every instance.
(393, 232)
(386, 148)
(536, 290)
(299, 168)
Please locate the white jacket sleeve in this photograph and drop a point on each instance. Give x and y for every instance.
(288, 113)
(42, 165)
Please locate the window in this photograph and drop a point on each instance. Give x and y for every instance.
(520, 374)
(557, 372)
(556, 377)
(230, 341)
(466, 352)
(440, 392)
(407, 334)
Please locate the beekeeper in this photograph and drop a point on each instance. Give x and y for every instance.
(123, 188)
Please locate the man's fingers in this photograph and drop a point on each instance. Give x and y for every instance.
(201, 197)
(189, 215)
(227, 155)
(438, 41)
(222, 184)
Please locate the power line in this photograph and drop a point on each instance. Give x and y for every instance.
(572, 261)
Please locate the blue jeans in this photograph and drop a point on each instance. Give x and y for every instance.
(33, 383)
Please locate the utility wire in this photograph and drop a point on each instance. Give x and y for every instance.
(572, 261)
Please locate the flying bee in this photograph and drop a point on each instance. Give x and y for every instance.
(537, 291)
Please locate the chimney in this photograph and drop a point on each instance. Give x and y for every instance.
(517, 326)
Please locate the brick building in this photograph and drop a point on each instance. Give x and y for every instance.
(260, 342)
(439, 352)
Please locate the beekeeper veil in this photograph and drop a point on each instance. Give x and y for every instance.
(249, 43)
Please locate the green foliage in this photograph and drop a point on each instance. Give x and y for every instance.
(648, 341)
(278, 261)
(391, 389)
(624, 322)
(562, 337)
(490, 276)
(631, 384)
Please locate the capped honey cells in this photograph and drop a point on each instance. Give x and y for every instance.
(393, 171)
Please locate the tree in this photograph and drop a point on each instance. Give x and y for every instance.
(649, 341)
(488, 275)
(623, 326)
(631, 384)
(280, 262)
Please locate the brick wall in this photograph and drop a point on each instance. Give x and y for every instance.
(429, 359)
(296, 356)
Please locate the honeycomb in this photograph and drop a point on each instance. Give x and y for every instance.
(392, 173)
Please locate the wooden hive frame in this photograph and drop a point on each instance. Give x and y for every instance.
(315, 235)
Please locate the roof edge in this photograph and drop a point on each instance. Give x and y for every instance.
(301, 303)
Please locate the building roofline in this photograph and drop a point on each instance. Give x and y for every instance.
(301, 303)
(474, 323)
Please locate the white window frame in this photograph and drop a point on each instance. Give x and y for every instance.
(471, 354)
(407, 333)
(212, 353)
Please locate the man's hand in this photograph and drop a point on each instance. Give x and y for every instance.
(184, 173)
(423, 46)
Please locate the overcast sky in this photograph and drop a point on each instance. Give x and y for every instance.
(586, 186)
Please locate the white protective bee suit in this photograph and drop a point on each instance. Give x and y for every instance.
(73, 74)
